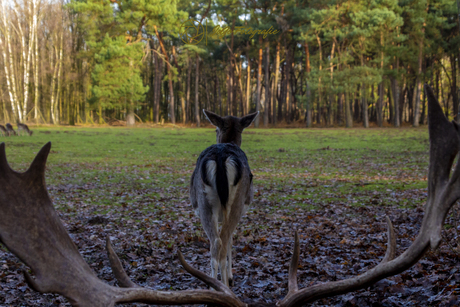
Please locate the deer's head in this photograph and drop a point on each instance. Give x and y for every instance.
(230, 128)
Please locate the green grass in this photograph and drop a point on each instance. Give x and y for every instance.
(307, 166)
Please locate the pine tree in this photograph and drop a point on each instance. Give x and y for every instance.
(116, 81)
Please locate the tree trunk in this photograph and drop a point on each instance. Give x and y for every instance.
(197, 90)
(27, 59)
(319, 78)
(230, 89)
(232, 97)
(308, 119)
(275, 85)
(287, 86)
(220, 96)
(267, 84)
(281, 94)
(182, 103)
(187, 101)
(259, 76)
(395, 90)
(240, 87)
(340, 109)
(151, 74)
(422, 118)
(381, 91)
(36, 60)
(157, 93)
(454, 87)
(207, 89)
(331, 94)
(234, 88)
(417, 87)
(216, 102)
(54, 66)
(9, 72)
(348, 113)
(248, 84)
(170, 77)
(58, 90)
(381, 88)
(356, 103)
(402, 97)
(130, 120)
(364, 99)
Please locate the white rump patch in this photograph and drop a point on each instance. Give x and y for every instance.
(211, 166)
(231, 175)
(211, 190)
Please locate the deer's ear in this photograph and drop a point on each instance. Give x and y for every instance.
(248, 119)
(214, 119)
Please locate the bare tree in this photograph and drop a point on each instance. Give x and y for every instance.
(19, 28)
(7, 53)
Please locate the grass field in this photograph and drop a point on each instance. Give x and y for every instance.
(314, 164)
(333, 185)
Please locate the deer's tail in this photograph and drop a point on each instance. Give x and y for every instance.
(220, 174)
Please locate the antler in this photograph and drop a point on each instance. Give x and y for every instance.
(442, 194)
(31, 229)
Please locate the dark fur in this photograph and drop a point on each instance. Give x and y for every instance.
(4, 131)
(220, 153)
(206, 202)
(10, 129)
(23, 127)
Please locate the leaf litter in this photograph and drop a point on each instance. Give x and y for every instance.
(338, 209)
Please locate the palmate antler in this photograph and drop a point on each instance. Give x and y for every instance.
(31, 229)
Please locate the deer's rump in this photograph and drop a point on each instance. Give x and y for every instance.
(220, 168)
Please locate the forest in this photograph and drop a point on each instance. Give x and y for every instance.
(306, 63)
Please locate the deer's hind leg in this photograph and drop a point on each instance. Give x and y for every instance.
(230, 221)
(229, 261)
(209, 220)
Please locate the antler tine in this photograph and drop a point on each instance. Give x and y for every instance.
(391, 246)
(444, 144)
(299, 297)
(292, 281)
(38, 166)
(117, 268)
(210, 281)
(222, 297)
(126, 282)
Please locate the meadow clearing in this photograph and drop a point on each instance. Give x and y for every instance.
(334, 186)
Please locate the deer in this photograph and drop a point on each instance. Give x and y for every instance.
(24, 128)
(31, 229)
(221, 189)
(10, 129)
(4, 131)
